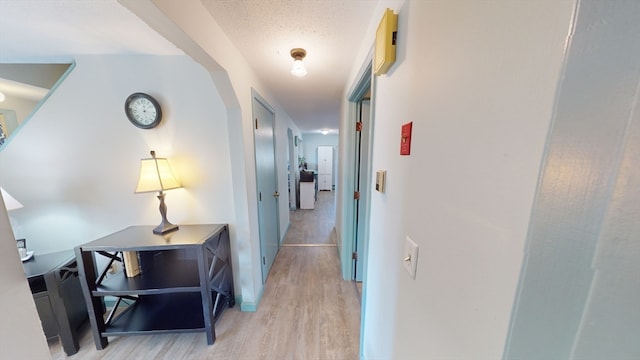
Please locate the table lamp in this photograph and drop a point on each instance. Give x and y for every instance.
(156, 175)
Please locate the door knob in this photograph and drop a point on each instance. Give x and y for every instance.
(276, 194)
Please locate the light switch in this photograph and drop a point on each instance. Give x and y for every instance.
(410, 257)
(381, 177)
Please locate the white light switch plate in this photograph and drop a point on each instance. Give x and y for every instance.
(410, 257)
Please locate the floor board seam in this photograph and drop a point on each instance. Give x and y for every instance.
(308, 245)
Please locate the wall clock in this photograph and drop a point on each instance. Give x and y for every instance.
(143, 110)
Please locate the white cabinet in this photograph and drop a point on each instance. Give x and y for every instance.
(307, 195)
(324, 182)
(325, 168)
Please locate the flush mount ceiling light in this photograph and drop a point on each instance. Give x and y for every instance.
(298, 66)
(324, 131)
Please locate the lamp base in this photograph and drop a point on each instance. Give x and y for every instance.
(165, 228)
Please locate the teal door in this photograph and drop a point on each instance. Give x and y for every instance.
(359, 221)
(362, 188)
(267, 182)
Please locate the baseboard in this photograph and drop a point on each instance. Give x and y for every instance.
(284, 234)
(251, 306)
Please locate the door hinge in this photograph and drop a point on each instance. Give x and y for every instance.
(359, 126)
(356, 195)
(256, 123)
(354, 255)
(264, 260)
(260, 195)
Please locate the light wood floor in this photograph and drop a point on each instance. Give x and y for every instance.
(314, 226)
(307, 311)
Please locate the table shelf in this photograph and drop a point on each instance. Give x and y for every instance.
(186, 278)
(157, 314)
(181, 276)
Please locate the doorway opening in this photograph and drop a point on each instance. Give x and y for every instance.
(314, 219)
(358, 164)
(292, 166)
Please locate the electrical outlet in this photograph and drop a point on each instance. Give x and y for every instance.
(410, 257)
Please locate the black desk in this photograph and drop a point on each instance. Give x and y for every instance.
(53, 279)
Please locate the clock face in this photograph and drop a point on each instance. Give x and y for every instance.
(143, 110)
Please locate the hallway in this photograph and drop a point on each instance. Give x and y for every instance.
(314, 226)
(307, 311)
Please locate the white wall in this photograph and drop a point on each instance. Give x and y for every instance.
(579, 292)
(207, 136)
(74, 166)
(77, 194)
(21, 334)
(478, 81)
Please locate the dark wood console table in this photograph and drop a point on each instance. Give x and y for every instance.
(55, 285)
(185, 281)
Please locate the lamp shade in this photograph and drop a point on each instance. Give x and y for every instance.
(156, 175)
(9, 201)
(298, 68)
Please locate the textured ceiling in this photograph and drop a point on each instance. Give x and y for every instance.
(48, 30)
(263, 30)
(330, 30)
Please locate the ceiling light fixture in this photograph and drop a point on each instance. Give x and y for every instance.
(2, 97)
(298, 66)
(324, 132)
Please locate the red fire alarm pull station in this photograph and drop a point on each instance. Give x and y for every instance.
(405, 140)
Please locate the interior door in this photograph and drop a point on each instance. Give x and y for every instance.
(357, 213)
(267, 182)
(361, 186)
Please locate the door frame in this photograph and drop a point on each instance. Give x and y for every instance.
(291, 171)
(364, 81)
(364, 178)
(255, 97)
